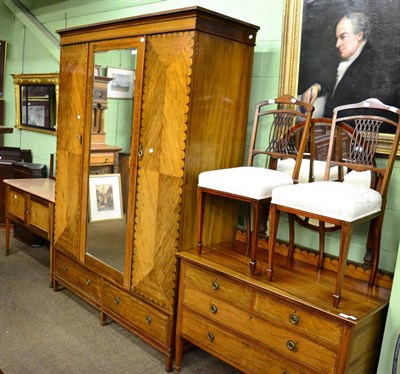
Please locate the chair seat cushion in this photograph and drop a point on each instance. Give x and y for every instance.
(337, 200)
(287, 166)
(252, 182)
(360, 178)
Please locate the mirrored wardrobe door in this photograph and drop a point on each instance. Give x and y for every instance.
(113, 103)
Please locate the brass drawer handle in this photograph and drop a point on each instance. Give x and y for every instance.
(66, 267)
(294, 319)
(211, 337)
(88, 281)
(215, 285)
(116, 300)
(291, 345)
(213, 309)
(148, 319)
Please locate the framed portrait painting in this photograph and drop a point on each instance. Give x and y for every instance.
(313, 56)
(105, 201)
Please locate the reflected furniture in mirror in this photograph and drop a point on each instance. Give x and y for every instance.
(36, 102)
(177, 104)
(103, 157)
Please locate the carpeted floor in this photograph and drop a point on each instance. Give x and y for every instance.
(47, 332)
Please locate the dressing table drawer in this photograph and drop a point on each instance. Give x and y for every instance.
(218, 285)
(77, 276)
(152, 322)
(297, 319)
(271, 334)
(234, 347)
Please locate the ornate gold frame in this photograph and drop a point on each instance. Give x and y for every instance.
(32, 79)
(290, 61)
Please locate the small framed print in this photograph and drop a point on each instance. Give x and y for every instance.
(122, 84)
(105, 200)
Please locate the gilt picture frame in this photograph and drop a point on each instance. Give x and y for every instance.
(293, 40)
(105, 199)
(3, 52)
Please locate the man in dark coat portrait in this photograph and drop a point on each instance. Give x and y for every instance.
(362, 72)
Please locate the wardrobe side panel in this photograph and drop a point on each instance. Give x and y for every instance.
(217, 132)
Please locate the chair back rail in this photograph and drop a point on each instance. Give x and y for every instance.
(289, 115)
(368, 118)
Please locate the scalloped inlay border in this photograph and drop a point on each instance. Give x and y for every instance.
(165, 107)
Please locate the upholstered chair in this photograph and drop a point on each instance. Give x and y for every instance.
(345, 203)
(252, 184)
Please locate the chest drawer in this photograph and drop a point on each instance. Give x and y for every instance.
(152, 322)
(77, 276)
(101, 158)
(289, 343)
(225, 343)
(218, 286)
(296, 317)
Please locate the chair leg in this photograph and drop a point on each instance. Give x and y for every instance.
(273, 229)
(254, 237)
(369, 248)
(374, 237)
(345, 236)
(200, 218)
(321, 244)
(291, 236)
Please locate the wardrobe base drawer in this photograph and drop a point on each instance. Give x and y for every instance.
(77, 276)
(147, 319)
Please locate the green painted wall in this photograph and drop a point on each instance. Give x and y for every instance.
(26, 54)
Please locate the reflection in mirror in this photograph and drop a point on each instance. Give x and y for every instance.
(112, 109)
(36, 102)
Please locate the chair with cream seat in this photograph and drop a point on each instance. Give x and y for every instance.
(253, 184)
(344, 203)
(315, 166)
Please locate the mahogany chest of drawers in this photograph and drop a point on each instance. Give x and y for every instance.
(287, 326)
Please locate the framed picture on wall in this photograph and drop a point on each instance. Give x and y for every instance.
(122, 84)
(314, 55)
(3, 50)
(105, 200)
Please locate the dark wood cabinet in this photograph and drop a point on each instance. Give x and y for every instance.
(8, 155)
